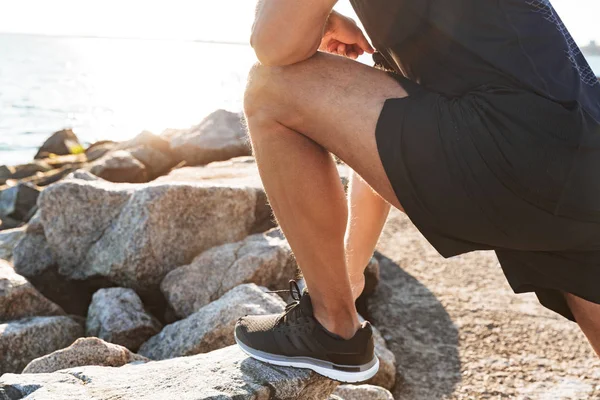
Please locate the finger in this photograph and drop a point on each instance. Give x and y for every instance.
(332, 46)
(365, 45)
(342, 49)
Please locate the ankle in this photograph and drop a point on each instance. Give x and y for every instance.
(344, 324)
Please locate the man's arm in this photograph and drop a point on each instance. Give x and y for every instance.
(289, 31)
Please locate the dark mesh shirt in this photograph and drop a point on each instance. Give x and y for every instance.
(453, 46)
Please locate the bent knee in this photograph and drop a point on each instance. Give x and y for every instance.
(269, 88)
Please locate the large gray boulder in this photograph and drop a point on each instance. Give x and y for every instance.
(85, 351)
(263, 259)
(117, 315)
(19, 299)
(225, 374)
(133, 235)
(362, 392)
(8, 241)
(27, 339)
(220, 136)
(211, 327)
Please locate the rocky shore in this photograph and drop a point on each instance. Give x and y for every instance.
(124, 266)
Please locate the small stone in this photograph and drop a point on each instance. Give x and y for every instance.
(119, 166)
(19, 299)
(60, 143)
(99, 149)
(85, 351)
(211, 327)
(27, 339)
(363, 392)
(117, 315)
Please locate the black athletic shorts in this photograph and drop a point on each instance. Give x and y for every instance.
(489, 171)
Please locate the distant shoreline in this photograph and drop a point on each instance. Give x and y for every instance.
(124, 38)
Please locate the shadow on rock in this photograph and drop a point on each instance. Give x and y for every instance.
(419, 332)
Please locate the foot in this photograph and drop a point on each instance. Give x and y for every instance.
(296, 339)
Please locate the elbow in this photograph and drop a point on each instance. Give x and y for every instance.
(276, 53)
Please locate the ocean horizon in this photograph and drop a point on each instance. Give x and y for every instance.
(114, 88)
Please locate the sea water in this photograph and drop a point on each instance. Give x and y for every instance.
(112, 89)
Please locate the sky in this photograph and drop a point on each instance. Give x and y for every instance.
(218, 20)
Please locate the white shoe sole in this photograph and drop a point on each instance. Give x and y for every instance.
(324, 368)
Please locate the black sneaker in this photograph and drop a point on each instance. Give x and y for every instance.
(296, 339)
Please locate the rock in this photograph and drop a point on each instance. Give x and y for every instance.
(60, 143)
(33, 259)
(120, 166)
(99, 149)
(225, 374)
(19, 299)
(362, 392)
(9, 223)
(263, 259)
(70, 160)
(31, 169)
(211, 327)
(220, 136)
(240, 172)
(386, 376)
(153, 151)
(372, 277)
(17, 202)
(50, 177)
(117, 315)
(8, 241)
(134, 235)
(24, 340)
(85, 351)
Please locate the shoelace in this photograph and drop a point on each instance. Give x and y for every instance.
(296, 294)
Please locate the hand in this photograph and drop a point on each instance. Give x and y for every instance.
(342, 36)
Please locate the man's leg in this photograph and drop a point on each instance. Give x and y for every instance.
(368, 212)
(587, 315)
(296, 115)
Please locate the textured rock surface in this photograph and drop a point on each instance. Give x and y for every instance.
(386, 376)
(263, 259)
(60, 143)
(225, 374)
(362, 392)
(8, 241)
(117, 315)
(19, 299)
(120, 166)
(240, 172)
(16, 202)
(34, 260)
(220, 136)
(85, 351)
(133, 235)
(458, 331)
(211, 327)
(24, 340)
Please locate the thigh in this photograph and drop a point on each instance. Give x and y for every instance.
(587, 315)
(336, 102)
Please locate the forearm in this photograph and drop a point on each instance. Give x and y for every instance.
(289, 31)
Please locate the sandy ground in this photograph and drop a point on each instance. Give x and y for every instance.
(459, 332)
